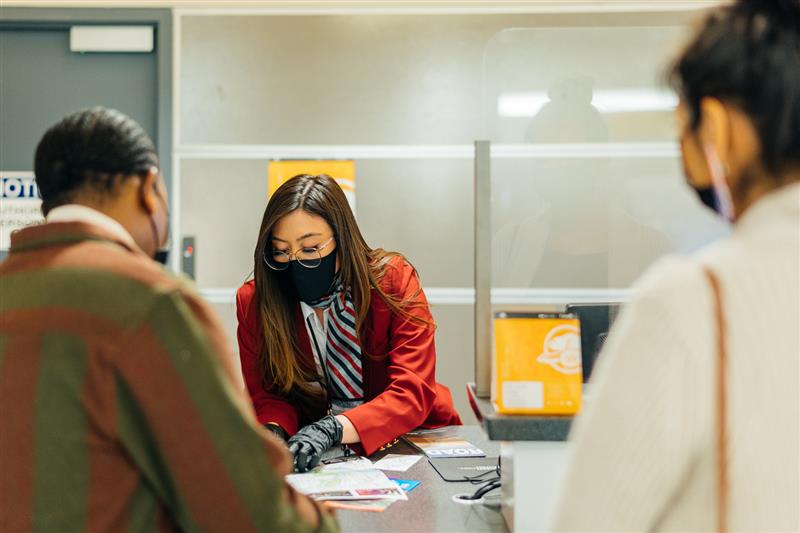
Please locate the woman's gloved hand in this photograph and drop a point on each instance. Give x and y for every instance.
(276, 430)
(308, 444)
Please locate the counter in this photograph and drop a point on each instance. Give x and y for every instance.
(430, 507)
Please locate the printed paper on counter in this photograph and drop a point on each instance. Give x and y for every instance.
(397, 463)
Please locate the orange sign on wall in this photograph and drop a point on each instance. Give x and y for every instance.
(343, 171)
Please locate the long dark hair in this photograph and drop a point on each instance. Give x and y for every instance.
(361, 270)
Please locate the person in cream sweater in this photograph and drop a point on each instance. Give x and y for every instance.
(645, 451)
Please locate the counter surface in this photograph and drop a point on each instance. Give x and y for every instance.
(430, 507)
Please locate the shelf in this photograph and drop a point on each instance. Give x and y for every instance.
(466, 296)
(517, 427)
(635, 150)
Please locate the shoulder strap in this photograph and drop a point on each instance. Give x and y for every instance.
(721, 403)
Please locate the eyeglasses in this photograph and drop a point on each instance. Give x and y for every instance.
(307, 257)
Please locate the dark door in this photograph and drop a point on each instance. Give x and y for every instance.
(41, 80)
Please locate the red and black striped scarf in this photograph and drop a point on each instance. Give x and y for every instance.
(342, 365)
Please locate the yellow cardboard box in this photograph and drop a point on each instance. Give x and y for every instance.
(537, 364)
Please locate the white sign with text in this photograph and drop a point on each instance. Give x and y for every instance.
(20, 204)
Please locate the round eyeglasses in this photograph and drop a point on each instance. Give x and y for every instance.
(307, 257)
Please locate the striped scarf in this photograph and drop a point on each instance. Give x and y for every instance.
(342, 365)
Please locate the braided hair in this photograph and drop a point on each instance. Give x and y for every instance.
(90, 151)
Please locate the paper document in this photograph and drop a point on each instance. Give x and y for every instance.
(375, 506)
(359, 463)
(397, 463)
(443, 443)
(346, 485)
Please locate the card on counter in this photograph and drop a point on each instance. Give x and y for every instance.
(406, 484)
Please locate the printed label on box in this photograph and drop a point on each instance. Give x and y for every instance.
(523, 394)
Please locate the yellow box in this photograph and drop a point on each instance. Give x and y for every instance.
(537, 364)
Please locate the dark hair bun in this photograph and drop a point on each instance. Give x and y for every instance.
(781, 12)
(748, 54)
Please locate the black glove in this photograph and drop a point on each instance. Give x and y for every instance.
(308, 444)
(276, 430)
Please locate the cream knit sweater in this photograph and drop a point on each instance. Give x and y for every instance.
(644, 451)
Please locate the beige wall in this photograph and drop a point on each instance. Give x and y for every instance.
(406, 80)
(409, 80)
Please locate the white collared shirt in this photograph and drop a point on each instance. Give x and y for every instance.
(317, 334)
(318, 338)
(82, 213)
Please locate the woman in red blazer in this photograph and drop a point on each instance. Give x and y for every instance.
(336, 339)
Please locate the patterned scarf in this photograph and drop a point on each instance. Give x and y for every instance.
(342, 365)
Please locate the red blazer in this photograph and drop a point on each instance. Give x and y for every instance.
(400, 388)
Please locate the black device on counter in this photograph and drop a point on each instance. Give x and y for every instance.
(596, 321)
(477, 469)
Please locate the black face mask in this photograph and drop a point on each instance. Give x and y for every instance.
(708, 197)
(311, 284)
(162, 256)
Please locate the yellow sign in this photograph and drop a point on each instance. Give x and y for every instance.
(343, 171)
(537, 364)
